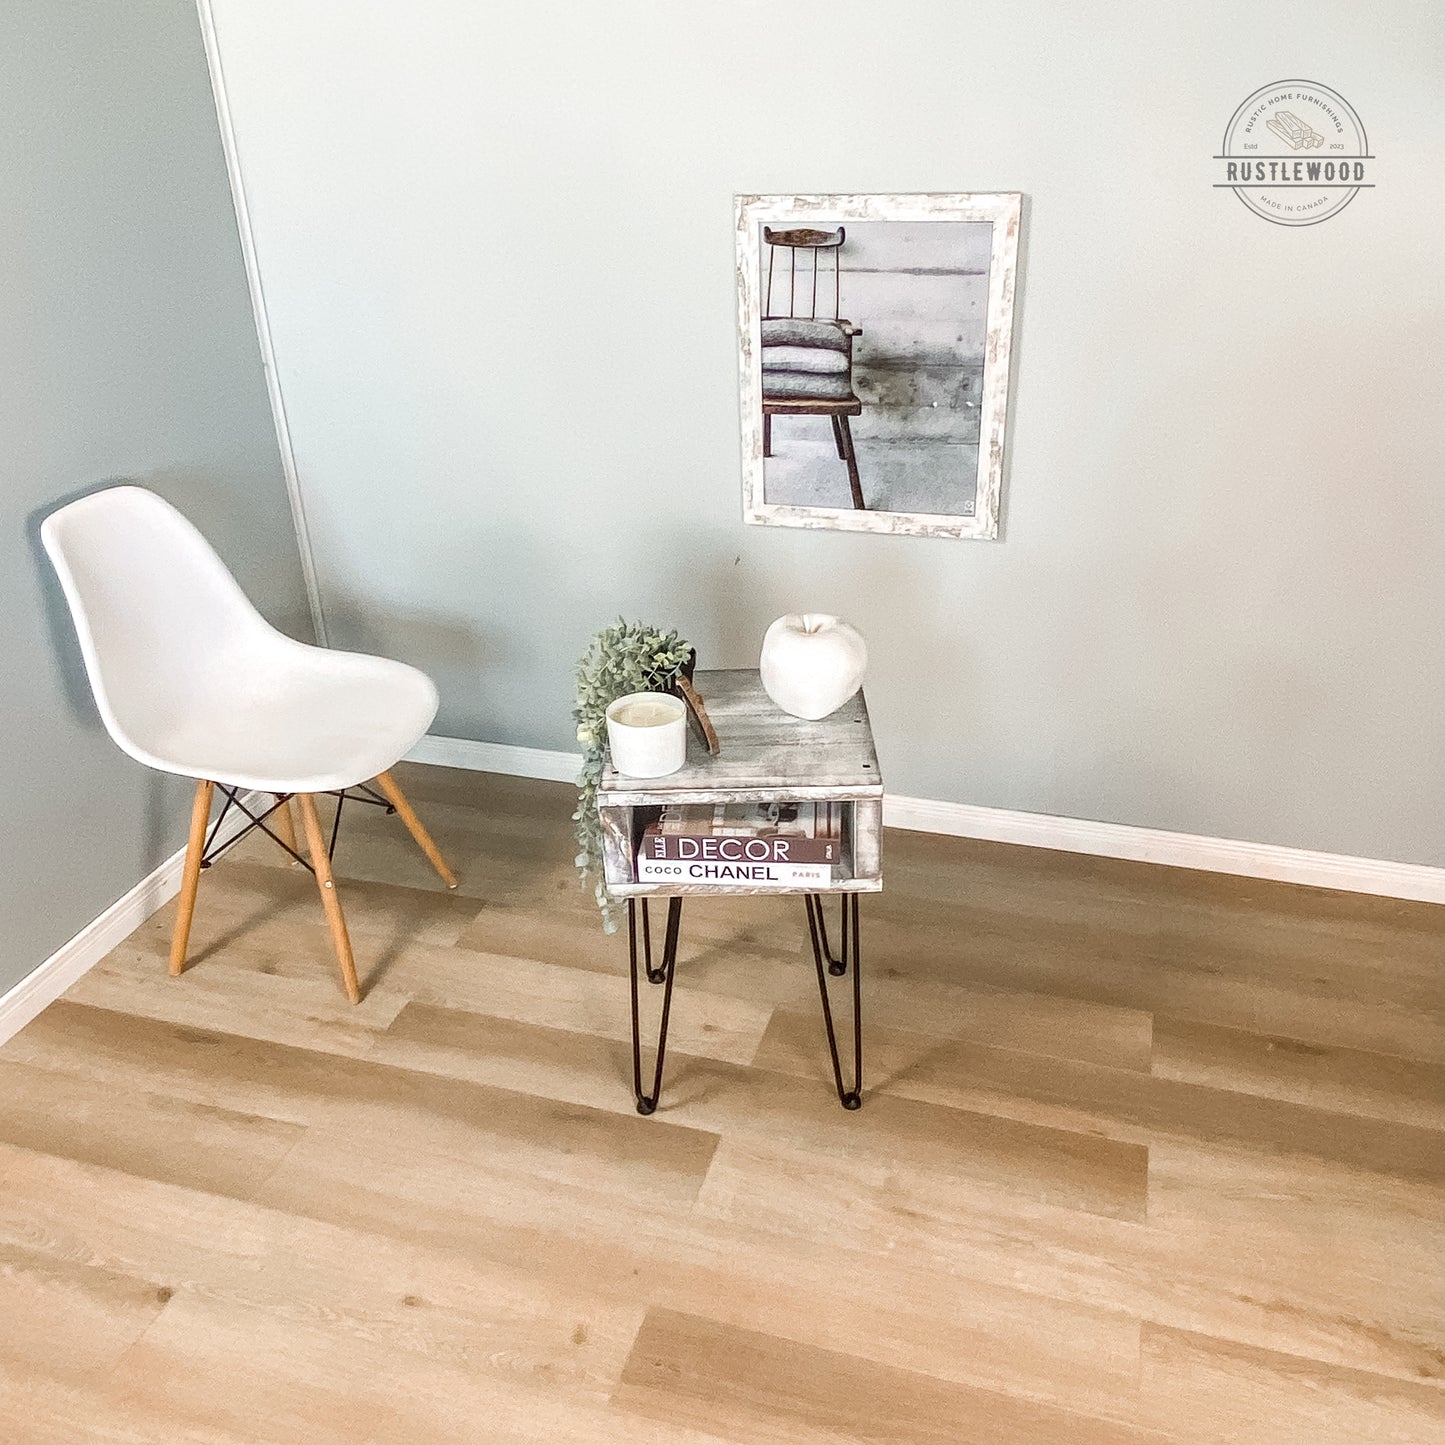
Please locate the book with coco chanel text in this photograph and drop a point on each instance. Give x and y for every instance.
(784, 845)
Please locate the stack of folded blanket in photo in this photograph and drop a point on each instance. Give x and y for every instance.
(807, 360)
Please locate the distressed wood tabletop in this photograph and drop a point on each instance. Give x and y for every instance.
(766, 753)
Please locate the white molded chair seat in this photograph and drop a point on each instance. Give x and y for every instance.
(189, 678)
(296, 719)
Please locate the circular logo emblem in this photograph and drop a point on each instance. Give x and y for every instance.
(1295, 153)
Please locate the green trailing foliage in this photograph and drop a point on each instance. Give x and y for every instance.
(626, 657)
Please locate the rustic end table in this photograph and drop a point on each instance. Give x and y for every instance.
(766, 756)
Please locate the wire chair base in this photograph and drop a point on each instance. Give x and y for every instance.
(212, 851)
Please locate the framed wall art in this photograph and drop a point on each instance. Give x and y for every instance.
(874, 338)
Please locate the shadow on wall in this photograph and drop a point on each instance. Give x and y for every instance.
(447, 642)
(738, 595)
(453, 652)
(270, 580)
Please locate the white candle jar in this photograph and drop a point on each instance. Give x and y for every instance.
(647, 734)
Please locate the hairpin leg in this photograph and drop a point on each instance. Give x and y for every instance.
(654, 975)
(836, 966)
(646, 1103)
(849, 1098)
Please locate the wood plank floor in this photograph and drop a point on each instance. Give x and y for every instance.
(1145, 1155)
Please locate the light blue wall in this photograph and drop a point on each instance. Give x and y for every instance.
(497, 243)
(127, 351)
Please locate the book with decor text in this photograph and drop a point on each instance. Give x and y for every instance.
(788, 844)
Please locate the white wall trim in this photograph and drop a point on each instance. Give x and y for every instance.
(1415, 881)
(72, 960)
(443, 752)
(262, 319)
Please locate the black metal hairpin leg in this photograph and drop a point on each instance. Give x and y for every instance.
(646, 1103)
(654, 975)
(836, 966)
(849, 1098)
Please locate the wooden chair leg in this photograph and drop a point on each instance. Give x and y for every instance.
(767, 435)
(845, 432)
(397, 799)
(285, 823)
(321, 862)
(191, 876)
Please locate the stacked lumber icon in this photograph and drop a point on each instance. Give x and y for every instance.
(1294, 132)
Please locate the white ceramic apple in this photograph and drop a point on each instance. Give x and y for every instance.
(812, 663)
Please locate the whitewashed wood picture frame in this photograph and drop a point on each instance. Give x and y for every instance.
(814, 480)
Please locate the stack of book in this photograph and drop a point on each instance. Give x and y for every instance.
(746, 845)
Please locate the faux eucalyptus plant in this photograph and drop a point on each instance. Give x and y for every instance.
(626, 657)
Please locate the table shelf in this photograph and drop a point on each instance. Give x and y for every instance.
(623, 826)
(767, 756)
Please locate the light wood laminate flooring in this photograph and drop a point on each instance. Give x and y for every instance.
(1145, 1155)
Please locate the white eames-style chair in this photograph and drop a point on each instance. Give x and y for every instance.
(189, 678)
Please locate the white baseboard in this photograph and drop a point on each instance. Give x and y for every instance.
(74, 959)
(497, 758)
(1177, 850)
(1037, 830)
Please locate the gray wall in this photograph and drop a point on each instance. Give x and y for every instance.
(127, 351)
(1218, 603)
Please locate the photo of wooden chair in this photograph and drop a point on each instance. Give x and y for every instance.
(807, 360)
